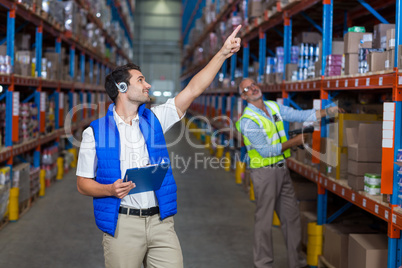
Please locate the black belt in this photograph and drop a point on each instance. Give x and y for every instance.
(139, 212)
(278, 165)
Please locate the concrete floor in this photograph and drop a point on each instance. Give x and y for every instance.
(214, 221)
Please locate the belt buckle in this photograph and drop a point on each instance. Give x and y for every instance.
(141, 216)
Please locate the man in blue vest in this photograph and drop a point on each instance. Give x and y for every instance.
(138, 228)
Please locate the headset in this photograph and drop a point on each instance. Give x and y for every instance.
(122, 86)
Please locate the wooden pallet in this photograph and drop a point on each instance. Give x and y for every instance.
(323, 263)
(3, 222)
(24, 207)
(34, 198)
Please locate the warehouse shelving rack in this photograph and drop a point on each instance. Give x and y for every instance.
(218, 101)
(12, 83)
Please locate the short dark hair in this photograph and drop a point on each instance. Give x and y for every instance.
(118, 75)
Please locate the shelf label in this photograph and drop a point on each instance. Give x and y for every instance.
(364, 202)
(394, 218)
(61, 100)
(334, 187)
(305, 173)
(386, 215)
(302, 86)
(380, 81)
(300, 169)
(346, 83)
(43, 101)
(353, 197)
(367, 81)
(297, 86)
(343, 192)
(337, 83)
(356, 82)
(316, 178)
(321, 180)
(328, 84)
(16, 103)
(326, 183)
(400, 80)
(314, 85)
(376, 208)
(308, 85)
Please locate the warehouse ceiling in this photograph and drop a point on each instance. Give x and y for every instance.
(156, 39)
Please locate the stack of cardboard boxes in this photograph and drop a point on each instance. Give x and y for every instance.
(353, 41)
(364, 152)
(334, 148)
(351, 246)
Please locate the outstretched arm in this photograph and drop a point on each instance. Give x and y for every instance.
(204, 78)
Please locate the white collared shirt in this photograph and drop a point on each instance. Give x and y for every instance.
(133, 152)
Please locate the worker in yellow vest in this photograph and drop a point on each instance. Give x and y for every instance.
(264, 136)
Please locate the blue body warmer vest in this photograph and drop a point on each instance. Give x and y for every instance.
(107, 143)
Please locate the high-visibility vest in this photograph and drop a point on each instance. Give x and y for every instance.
(275, 132)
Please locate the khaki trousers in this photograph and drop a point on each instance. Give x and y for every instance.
(143, 240)
(274, 191)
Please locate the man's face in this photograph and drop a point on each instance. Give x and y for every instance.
(250, 90)
(138, 90)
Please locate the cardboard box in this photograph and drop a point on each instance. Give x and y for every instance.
(376, 61)
(270, 79)
(23, 41)
(338, 162)
(278, 78)
(337, 130)
(3, 50)
(356, 182)
(317, 69)
(354, 41)
(338, 47)
(390, 38)
(255, 8)
(380, 33)
(351, 64)
(290, 68)
(389, 63)
(360, 168)
(307, 37)
(368, 251)
(336, 242)
(364, 154)
(305, 218)
(365, 142)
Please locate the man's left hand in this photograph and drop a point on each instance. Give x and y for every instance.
(333, 111)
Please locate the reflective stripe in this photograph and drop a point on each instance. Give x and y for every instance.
(254, 115)
(282, 133)
(273, 106)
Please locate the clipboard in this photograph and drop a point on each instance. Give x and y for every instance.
(148, 178)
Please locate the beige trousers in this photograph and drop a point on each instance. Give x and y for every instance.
(143, 240)
(273, 190)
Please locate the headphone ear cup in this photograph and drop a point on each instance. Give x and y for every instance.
(122, 87)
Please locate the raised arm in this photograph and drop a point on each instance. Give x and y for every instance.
(204, 78)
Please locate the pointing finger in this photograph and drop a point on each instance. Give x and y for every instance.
(233, 35)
